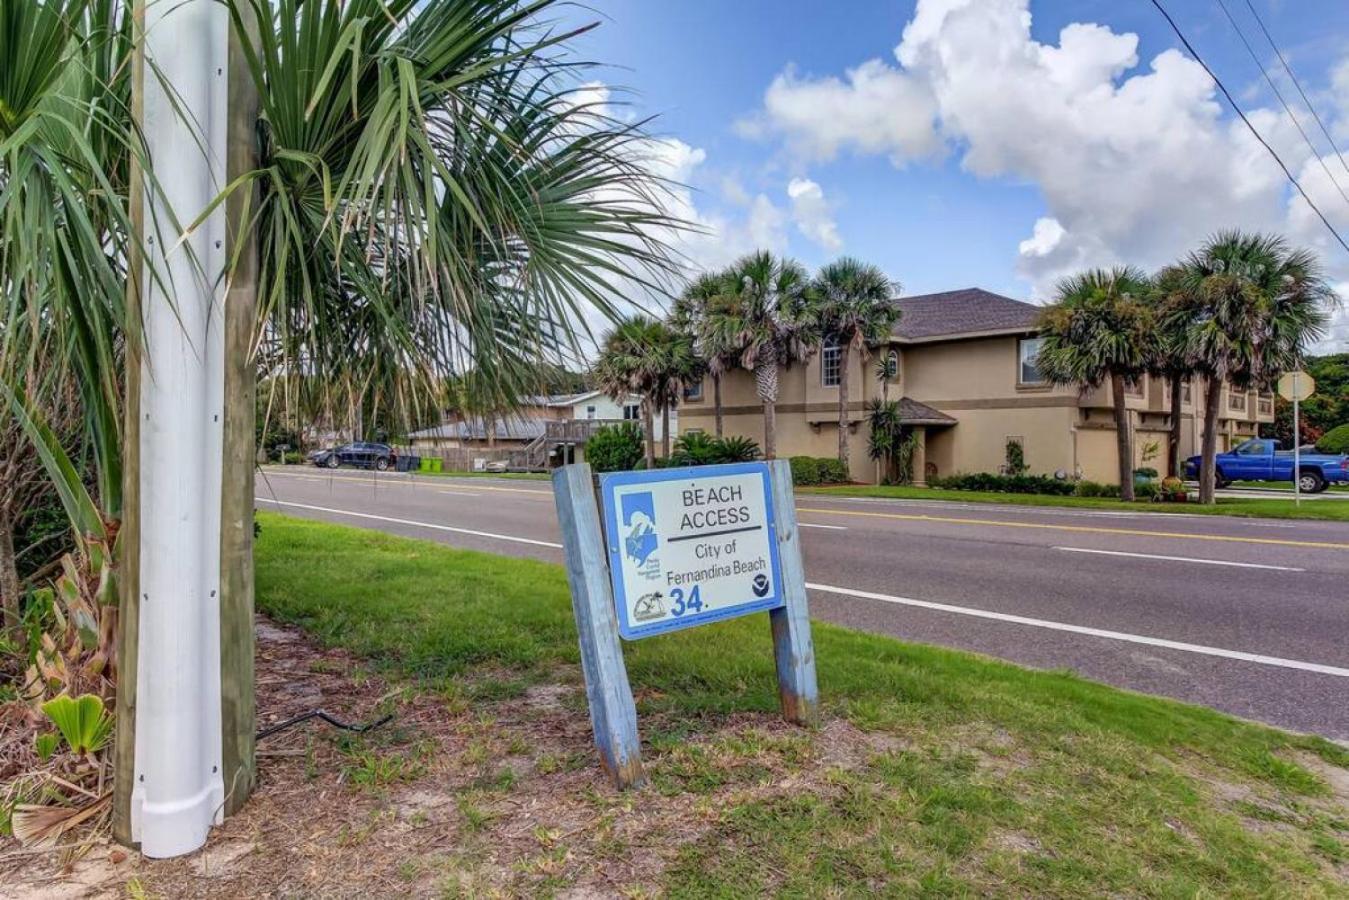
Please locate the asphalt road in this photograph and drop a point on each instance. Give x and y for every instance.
(1245, 615)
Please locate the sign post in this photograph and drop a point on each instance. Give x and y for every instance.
(1297, 386)
(680, 548)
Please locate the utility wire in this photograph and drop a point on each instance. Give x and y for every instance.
(1230, 99)
(1277, 52)
(1255, 57)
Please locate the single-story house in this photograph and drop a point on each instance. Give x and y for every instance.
(962, 365)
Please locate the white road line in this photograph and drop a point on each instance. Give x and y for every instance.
(361, 515)
(826, 527)
(456, 493)
(1090, 632)
(1185, 559)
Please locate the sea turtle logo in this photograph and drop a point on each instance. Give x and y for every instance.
(640, 540)
(648, 607)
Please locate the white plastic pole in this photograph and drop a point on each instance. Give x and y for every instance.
(1297, 444)
(178, 791)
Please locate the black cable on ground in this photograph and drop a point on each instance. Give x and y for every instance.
(320, 714)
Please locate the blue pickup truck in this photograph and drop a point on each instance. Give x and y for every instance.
(1260, 459)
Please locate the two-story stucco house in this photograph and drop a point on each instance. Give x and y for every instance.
(962, 364)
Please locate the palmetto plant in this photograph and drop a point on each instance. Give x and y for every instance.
(1100, 328)
(1246, 307)
(429, 198)
(856, 308)
(763, 319)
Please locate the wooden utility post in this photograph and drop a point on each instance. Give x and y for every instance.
(237, 701)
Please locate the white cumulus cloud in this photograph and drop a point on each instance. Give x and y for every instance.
(812, 213)
(1136, 161)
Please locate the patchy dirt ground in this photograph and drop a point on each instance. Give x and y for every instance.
(488, 787)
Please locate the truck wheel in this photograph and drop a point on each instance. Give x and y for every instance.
(1311, 482)
(333, 462)
(382, 464)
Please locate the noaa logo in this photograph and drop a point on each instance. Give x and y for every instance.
(761, 585)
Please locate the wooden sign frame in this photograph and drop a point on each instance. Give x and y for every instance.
(613, 713)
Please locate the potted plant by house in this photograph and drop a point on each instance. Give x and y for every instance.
(1173, 490)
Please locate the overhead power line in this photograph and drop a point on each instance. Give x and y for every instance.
(1297, 84)
(1255, 57)
(1232, 100)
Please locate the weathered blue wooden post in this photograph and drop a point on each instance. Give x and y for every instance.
(612, 711)
(793, 648)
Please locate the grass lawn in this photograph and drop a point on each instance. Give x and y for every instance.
(936, 771)
(1285, 486)
(1255, 507)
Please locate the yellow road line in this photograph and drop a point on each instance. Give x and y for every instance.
(1325, 545)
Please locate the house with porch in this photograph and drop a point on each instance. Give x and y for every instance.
(962, 366)
(544, 431)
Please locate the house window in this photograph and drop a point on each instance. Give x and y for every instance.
(590, 412)
(1134, 388)
(1186, 391)
(831, 360)
(1236, 400)
(694, 392)
(1027, 350)
(632, 411)
(1264, 403)
(892, 366)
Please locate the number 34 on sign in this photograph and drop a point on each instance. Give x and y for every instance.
(690, 546)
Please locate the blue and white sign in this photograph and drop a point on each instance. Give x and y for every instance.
(690, 546)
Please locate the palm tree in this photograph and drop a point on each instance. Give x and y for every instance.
(688, 316)
(630, 362)
(1247, 307)
(763, 320)
(1169, 295)
(1100, 328)
(857, 309)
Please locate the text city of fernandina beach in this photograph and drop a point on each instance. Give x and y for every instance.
(708, 508)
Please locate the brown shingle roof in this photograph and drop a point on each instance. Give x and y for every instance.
(956, 313)
(911, 412)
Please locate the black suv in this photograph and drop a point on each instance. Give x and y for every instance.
(361, 454)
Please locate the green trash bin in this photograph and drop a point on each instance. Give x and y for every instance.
(437, 464)
(425, 464)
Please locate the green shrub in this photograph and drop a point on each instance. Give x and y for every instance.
(1004, 484)
(615, 448)
(1015, 458)
(696, 449)
(811, 470)
(805, 470)
(699, 449)
(1095, 489)
(738, 449)
(1336, 440)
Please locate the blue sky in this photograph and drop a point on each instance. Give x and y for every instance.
(755, 94)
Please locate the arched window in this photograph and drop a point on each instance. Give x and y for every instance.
(892, 366)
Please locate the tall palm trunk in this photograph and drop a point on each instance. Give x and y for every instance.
(648, 424)
(1208, 466)
(9, 582)
(766, 382)
(716, 400)
(844, 435)
(1173, 438)
(665, 431)
(1123, 439)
